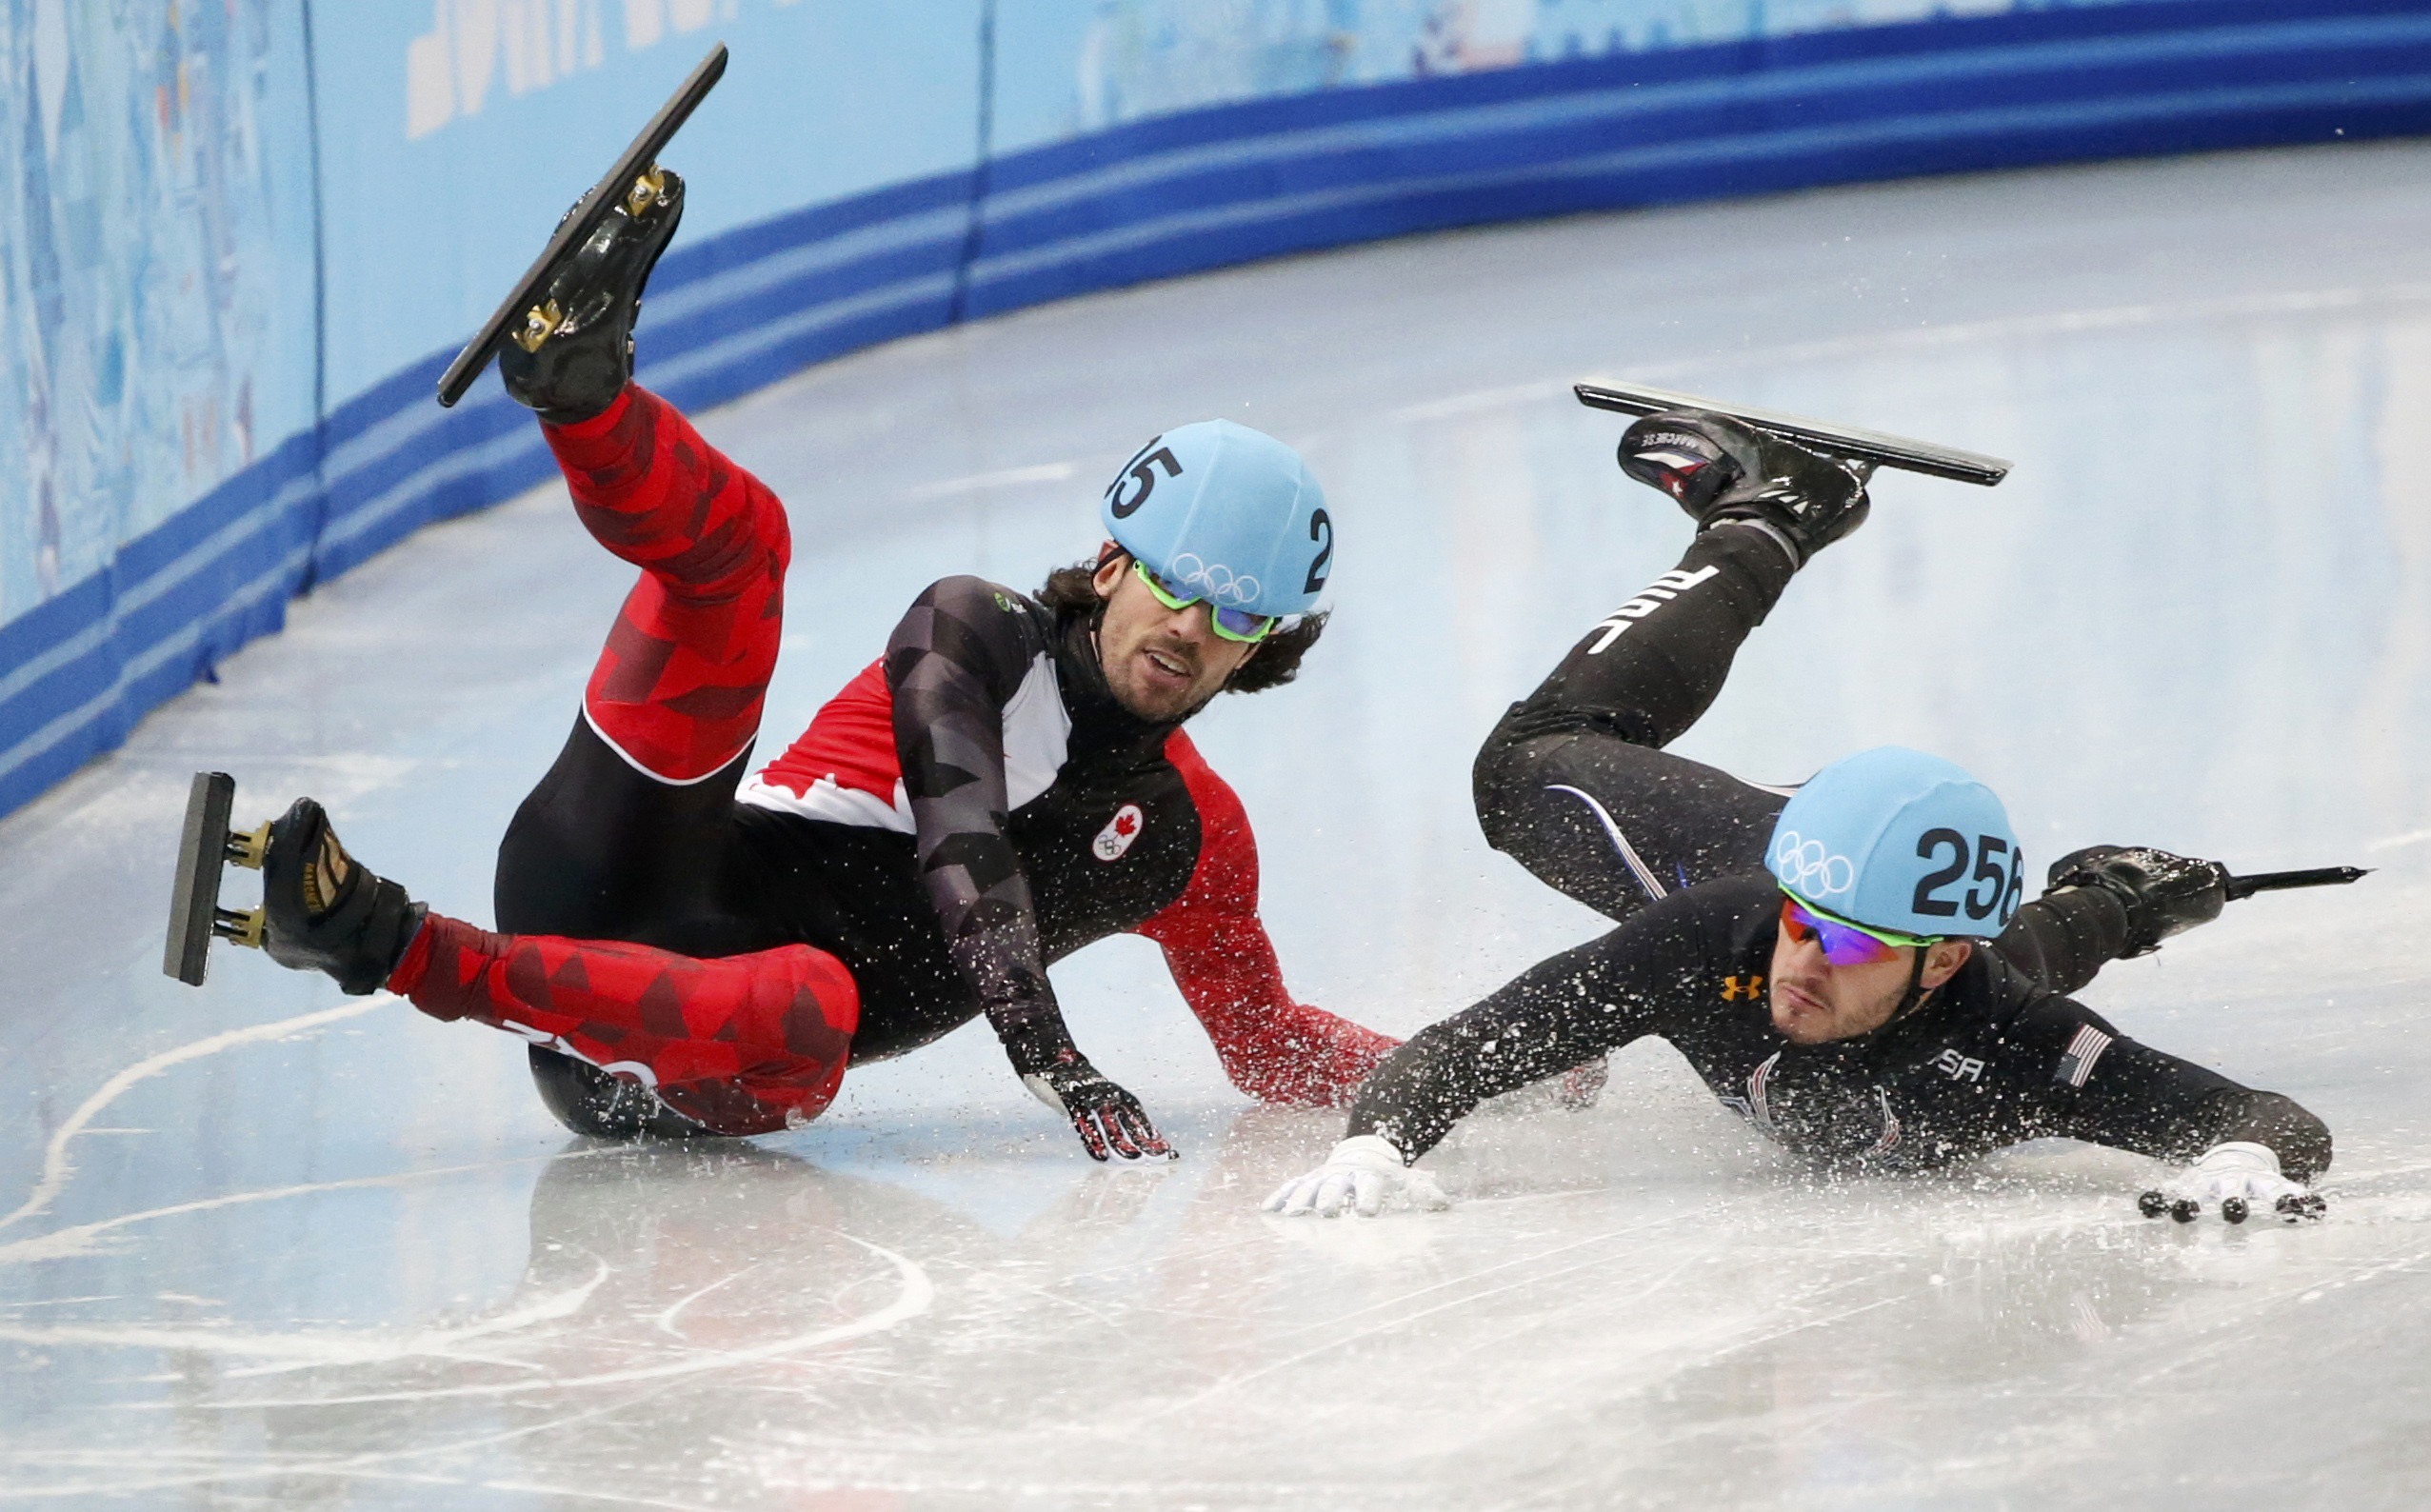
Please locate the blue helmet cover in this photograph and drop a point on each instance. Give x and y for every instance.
(1897, 840)
(1224, 513)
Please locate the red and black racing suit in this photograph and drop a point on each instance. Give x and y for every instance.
(970, 808)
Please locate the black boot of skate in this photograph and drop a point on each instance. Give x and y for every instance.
(325, 911)
(574, 352)
(1719, 470)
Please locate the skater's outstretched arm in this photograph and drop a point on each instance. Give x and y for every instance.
(1567, 1008)
(2108, 1089)
(960, 657)
(1273, 1047)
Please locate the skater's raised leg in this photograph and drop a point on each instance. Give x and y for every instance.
(629, 833)
(1574, 783)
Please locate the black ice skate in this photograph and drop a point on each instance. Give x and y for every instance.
(564, 332)
(1864, 450)
(1723, 472)
(573, 355)
(321, 910)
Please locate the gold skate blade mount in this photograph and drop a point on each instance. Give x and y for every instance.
(634, 181)
(1846, 443)
(207, 844)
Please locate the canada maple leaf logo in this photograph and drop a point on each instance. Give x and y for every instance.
(1118, 834)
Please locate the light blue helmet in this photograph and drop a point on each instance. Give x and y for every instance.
(1902, 842)
(1224, 513)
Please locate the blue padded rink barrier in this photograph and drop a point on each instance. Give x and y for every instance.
(264, 1244)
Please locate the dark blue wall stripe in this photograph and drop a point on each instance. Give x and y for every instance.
(1188, 192)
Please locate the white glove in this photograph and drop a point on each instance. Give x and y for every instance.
(1364, 1172)
(2237, 1177)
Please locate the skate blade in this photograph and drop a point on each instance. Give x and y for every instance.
(204, 848)
(617, 188)
(1846, 443)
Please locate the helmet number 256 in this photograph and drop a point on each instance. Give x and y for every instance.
(1999, 889)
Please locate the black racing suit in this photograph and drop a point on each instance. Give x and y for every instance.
(1573, 782)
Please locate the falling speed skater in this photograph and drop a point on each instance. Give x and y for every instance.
(693, 945)
(1852, 965)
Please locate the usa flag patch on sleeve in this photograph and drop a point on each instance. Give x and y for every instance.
(2077, 1061)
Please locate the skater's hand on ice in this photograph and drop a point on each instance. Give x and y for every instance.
(2235, 1179)
(1105, 1117)
(1364, 1174)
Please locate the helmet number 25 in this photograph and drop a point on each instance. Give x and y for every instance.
(1999, 889)
(1143, 468)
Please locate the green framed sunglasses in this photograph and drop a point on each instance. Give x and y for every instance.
(1231, 625)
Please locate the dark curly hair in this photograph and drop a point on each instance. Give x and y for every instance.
(1070, 589)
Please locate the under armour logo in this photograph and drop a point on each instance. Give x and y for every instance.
(1734, 989)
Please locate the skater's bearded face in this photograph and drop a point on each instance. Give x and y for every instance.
(1160, 664)
(1815, 1002)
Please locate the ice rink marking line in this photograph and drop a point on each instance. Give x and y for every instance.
(1960, 334)
(983, 482)
(61, 1244)
(665, 1322)
(914, 1298)
(357, 1467)
(312, 1351)
(2411, 837)
(57, 1169)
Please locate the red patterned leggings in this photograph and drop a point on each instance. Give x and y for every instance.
(678, 688)
(735, 1029)
(744, 1044)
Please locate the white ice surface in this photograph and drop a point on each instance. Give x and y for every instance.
(262, 1245)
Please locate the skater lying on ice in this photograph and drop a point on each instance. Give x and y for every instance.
(1850, 968)
(693, 948)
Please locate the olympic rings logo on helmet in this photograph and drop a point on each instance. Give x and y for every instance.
(1807, 869)
(1216, 583)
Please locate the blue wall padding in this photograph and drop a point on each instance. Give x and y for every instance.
(1204, 189)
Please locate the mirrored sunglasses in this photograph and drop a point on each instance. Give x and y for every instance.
(1843, 943)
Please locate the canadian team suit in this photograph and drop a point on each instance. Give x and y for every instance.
(971, 807)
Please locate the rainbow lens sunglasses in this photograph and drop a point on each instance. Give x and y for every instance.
(1845, 943)
(1233, 624)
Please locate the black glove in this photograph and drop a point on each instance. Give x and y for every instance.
(1105, 1115)
(2163, 894)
